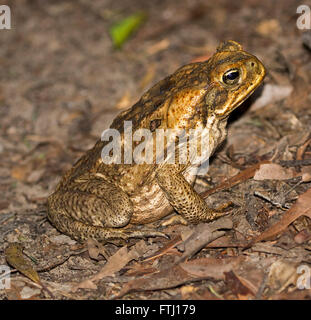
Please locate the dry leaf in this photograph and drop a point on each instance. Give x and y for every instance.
(138, 269)
(306, 174)
(93, 249)
(178, 274)
(166, 249)
(273, 171)
(236, 286)
(168, 278)
(301, 150)
(29, 293)
(281, 275)
(14, 256)
(227, 242)
(271, 93)
(211, 267)
(250, 276)
(303, 236)
(202, 235)
(300, 208)
(115, 263)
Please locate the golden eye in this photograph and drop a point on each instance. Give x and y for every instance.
(231, 76)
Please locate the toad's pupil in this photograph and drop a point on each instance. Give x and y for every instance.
(232, 75)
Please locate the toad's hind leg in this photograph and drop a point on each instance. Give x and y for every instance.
(93, 209)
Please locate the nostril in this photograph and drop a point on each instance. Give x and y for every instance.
(253, 64)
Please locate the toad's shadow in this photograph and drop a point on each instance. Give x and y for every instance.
(243, 108)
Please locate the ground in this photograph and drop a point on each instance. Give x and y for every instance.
(62, 83)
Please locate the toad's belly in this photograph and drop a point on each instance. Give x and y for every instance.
(151, 203)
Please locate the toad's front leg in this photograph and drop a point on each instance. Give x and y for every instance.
(183, 198)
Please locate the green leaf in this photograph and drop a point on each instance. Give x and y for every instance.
(122, 30)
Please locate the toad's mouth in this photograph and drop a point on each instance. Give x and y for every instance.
(229, 107)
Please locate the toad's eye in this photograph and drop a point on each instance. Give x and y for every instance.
(231, 77)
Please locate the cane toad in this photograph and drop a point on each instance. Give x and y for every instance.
(99, 200)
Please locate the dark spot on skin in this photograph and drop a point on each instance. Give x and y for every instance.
(157, 104)
(230, 59)
(204, 115)
(154, 124)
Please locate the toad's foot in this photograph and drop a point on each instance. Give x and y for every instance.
(177, 219)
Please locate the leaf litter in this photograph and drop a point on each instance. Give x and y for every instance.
(46, 125)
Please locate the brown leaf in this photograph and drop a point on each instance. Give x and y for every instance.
(180, 274)
(306, 174)
(202, 235)
(227, 242)
(294, 295)
(303, 236)
(301, 150)
(165, 249)
(95, 249)
(211, 267)
(115, 263)
(271, 93)
(300, 208)
(236, 286)
(273, 171)
(139, 269)
(250, 276)
(165, 279)
(281, 275)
